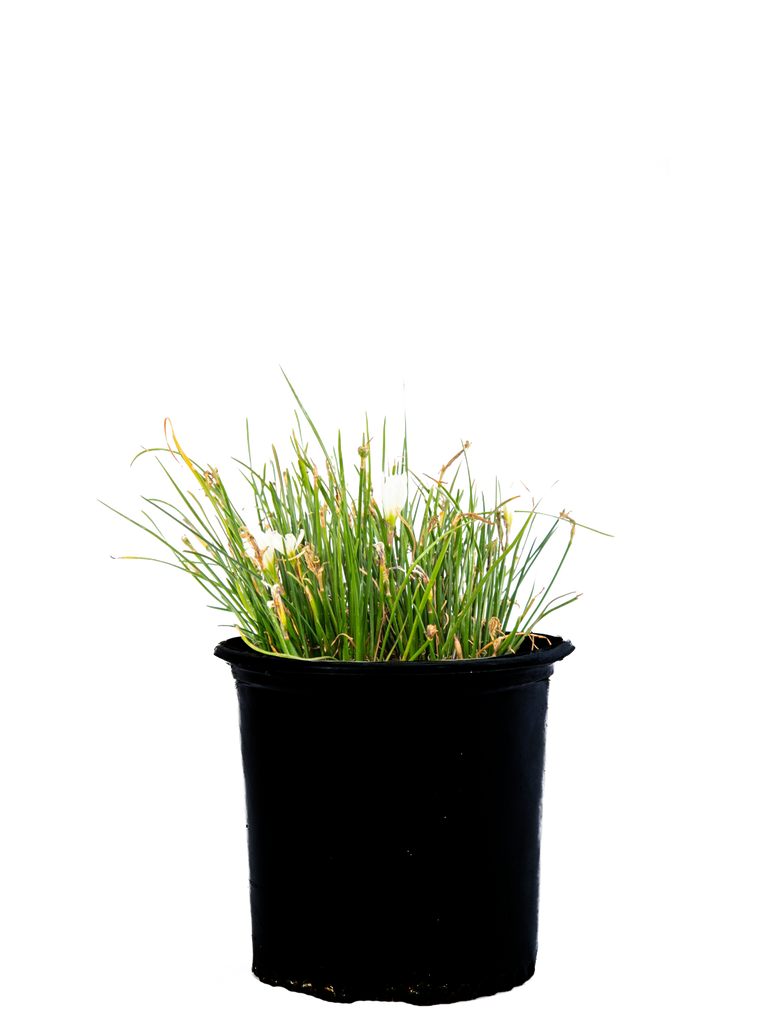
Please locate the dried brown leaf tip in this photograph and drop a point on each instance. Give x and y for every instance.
(431, 631)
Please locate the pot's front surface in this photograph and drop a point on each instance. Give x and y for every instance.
(394, 833)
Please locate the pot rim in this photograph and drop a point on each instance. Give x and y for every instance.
(250, 666)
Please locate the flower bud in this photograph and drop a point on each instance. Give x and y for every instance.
(394, 492)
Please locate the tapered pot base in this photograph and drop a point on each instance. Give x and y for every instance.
(424, 994)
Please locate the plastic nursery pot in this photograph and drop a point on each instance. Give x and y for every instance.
(394, 821)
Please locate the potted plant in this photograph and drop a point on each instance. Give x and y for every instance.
(393, 698)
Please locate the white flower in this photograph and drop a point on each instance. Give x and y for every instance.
(394, 491)
(287, 543)
(263, 545)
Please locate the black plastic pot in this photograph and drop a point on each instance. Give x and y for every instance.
(394, 816)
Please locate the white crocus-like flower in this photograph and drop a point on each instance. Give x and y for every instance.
(394, 491)
(269, 543)
(287, 544)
